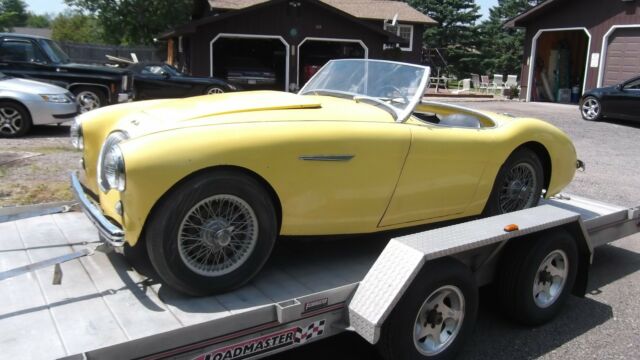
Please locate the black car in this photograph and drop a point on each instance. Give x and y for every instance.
(160, 80)
(250, 73)
(38, 58)
(620, 102)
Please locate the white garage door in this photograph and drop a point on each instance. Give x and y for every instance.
(623, 56)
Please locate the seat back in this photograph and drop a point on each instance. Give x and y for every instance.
(512, 80)
(475, 79)
(498, 79)
(485, 80)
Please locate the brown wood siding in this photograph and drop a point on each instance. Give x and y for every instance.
(597, 16)
(309, 20)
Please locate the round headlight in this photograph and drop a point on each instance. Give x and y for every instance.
(77, 140)
(111, 171)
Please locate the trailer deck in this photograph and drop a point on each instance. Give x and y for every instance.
(104, 309)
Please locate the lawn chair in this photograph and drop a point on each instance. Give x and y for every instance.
(484, 83)
(498, 82)
(475, 79)
(512, 81)
(464, 85)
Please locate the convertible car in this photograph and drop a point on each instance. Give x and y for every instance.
(206, 185)
(621, 101)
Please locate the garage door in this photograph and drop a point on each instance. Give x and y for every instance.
(623, 56)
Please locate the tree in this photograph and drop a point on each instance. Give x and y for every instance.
(502, 49)
(135, 21)
(76, 27)
(12, 13)
(38, 21)
(455, 33)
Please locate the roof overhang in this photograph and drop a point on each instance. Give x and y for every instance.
(524, 18)
(191, 27)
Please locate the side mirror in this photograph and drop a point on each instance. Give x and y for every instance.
(166, 75)
(620, 87)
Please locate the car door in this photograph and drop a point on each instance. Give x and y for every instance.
(441, 173)
(152, 82)
(626, 102)
(21, 57)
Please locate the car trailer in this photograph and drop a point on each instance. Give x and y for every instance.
(415, 295)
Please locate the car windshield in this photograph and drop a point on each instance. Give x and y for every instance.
(159, 69)
(398, 87)
(54, 51)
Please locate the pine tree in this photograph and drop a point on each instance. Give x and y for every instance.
(455, 36)
(502, 49)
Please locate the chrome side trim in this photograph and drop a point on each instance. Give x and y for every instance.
(108, 231)
(326, 157)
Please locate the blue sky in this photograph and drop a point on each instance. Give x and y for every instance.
(56, 6)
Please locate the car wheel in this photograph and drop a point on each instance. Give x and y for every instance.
(536, 275)
(518, 184)
(213, 233)
(15, 120)
(591, 109)
(89, 98)
(435, 316)
(214, 90)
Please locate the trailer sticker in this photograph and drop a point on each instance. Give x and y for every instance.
(316, 304)
(266, 343)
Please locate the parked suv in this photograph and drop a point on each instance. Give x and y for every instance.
(38, 58)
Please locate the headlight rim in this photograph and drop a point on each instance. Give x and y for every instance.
(51, 98)
(120, 178)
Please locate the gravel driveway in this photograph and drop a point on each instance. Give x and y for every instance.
(604, 325)
(35, 168)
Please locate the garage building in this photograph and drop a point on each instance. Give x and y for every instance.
(279, 44)
(575, 45)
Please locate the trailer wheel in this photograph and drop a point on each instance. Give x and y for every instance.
(212, 233)
(435, 316)
(536, 276)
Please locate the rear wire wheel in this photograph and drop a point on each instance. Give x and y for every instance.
(518, 184)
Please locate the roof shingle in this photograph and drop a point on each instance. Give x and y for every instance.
(363, 9)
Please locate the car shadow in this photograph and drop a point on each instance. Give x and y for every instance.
(629, 123)
(48, 131)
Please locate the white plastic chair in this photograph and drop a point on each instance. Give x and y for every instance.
(512, 81)
(498, 82)
(464, 85)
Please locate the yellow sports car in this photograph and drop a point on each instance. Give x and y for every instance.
(207, 184)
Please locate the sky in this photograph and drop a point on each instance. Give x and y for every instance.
(56, 6)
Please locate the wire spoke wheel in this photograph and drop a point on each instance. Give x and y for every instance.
(217, 235)
(518, 189)
(591, 109)
(11, 121)
(550, 279)
(439, 320)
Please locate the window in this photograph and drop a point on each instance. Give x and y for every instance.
(404, 31)
(21, 51)
(633, 85)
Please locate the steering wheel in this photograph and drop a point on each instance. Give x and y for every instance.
(391, 92)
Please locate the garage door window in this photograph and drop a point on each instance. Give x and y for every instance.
(403, 31)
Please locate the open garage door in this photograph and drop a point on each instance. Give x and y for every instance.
(559, 65)
(313, 53)
(251, 61)
(622, 60)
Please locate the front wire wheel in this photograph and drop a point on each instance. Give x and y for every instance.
(212, 233)
(217, 235)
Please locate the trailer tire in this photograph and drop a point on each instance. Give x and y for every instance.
(442, 283)
(536, 276)
(212, 233)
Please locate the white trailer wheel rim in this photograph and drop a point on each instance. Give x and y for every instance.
(439, 320)
(217, 235)
(550, 278)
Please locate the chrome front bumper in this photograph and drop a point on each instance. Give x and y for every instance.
(109, 232)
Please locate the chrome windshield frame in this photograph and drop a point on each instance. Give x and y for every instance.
(400, 115)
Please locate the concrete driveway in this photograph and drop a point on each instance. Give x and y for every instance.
(605, 324)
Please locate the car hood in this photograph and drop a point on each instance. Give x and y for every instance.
(30, 86)
(241, 107)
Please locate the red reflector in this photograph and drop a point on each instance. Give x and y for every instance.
(511, 227)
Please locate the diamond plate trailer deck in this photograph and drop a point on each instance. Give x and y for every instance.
(104, 309)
